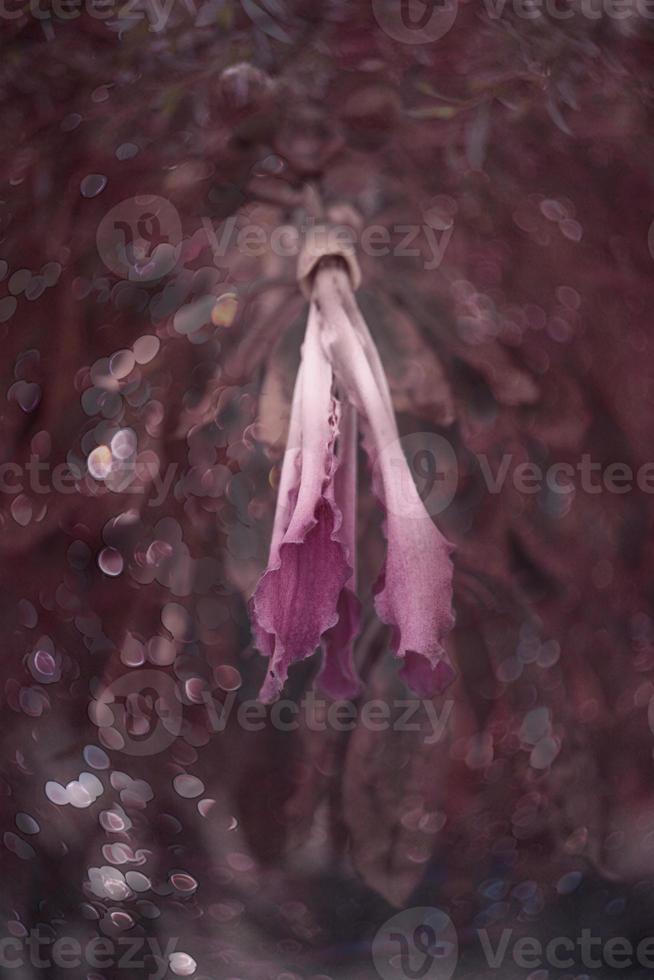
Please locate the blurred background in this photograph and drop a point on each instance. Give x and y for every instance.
(162, 160)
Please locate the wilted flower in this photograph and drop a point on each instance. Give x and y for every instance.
(307, 595)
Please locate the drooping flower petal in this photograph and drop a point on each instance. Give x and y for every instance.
(414, 592)
(338, 676)
(296, 599)
(286, 496)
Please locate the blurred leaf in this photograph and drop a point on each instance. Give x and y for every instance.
(264, 21)
(433, 112)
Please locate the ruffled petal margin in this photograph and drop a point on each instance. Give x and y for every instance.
(298, 598)
(338, 677)
(414, 591)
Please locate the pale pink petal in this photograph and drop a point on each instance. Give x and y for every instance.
(338, 676)
(296, 599)
(414, 593)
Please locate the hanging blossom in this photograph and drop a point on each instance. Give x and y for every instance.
(306, 598)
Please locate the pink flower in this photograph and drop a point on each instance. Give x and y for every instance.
(306, 598)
